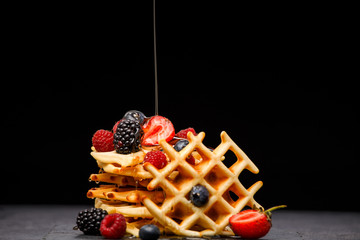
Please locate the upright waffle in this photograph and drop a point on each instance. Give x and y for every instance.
(177, 213)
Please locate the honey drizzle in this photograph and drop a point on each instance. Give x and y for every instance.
(155, 64)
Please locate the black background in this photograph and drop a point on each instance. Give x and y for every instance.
(274, 83)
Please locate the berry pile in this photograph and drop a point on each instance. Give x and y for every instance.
(125, 137)
(135, 130)
(96, 221)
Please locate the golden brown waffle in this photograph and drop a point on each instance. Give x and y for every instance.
(177, 213)
(120, 160)
(137, 171)
(122, 164)
(126, 209)
(131, 195)
(120, 181)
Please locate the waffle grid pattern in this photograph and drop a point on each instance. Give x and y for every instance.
(227, 195)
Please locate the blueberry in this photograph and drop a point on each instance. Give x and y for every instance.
(149, 232)
(135, 116)
(181, 144)
(199, 195)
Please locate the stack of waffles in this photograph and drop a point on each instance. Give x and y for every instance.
(145, 194)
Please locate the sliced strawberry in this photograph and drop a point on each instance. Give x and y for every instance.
(156, 128)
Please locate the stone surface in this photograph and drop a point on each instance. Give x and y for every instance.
(57, 221)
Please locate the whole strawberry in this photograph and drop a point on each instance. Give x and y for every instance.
(252, 223)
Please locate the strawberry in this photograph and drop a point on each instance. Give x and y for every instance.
(183, 133)
(102, 140)
(156, 158)
(156, 128)
(252, 223)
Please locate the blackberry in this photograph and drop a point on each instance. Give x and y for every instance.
(127, 137)
(89, 220)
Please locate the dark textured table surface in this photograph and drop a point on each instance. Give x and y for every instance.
(57, 222)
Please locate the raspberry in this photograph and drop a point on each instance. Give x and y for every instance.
(113, 226)
(102, 140)
(156, 158)
(183, 133)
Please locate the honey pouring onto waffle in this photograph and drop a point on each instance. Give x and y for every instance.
(153, 181)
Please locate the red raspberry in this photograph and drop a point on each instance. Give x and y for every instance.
(156, 158)
(113, 226)
(102, 140)
(183, 133)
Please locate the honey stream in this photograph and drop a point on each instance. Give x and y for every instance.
(155, 63)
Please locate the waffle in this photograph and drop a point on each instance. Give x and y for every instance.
(145, 194)
(120, 181)
(119, 160)
(126, 201)
(129, 211)
(122, 164)
(177, 213)
(137, 172)
(130, 195)
(127, 180)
